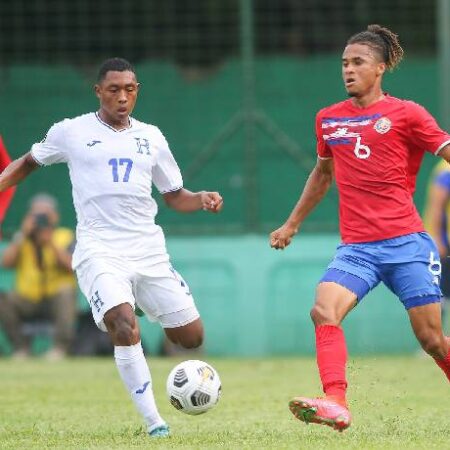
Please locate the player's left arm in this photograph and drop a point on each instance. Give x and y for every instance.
(183, 200)
(425, 131)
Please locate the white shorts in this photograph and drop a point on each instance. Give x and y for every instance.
(158, 290)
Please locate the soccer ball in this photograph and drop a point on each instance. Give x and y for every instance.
(193, 387)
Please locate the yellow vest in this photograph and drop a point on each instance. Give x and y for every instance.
(35, 283)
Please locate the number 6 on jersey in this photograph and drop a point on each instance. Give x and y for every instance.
(115, 163)
(361, 151)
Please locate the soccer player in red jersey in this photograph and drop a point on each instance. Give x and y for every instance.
(373, 145)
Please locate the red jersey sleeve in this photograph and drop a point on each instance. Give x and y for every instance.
(5, 196)
(323, 151)
(425, 132)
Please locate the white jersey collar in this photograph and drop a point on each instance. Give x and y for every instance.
(130, 123)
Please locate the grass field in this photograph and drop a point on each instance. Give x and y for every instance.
(397, 403)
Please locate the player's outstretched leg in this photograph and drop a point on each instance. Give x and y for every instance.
(134, 371)
(331, 410)
(323, 411)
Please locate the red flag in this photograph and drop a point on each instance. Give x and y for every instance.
(6, 196)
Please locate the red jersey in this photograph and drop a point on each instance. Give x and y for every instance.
(377, 152)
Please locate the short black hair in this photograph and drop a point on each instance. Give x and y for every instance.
(115, 65)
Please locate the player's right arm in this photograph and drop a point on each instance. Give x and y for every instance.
(17, 171)
(316, 187)
(51, 150)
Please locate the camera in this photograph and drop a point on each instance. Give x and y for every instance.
(41, 221)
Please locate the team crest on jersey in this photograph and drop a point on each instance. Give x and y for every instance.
(382, 125)
(142, 144)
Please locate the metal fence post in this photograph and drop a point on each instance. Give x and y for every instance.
(248, 94)
(443, 43)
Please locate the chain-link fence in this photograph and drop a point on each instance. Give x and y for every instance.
(234, 85)
(198, 33)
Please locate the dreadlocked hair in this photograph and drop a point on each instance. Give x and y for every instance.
(382, 40)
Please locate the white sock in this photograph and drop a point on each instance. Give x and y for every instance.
(134, 371)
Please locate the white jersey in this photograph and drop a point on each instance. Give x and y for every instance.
(112, 174)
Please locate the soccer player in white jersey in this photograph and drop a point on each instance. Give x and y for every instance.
(120, 257)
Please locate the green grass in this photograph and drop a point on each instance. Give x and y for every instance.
(396, 402)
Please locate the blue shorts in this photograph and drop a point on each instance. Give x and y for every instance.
(408, 265)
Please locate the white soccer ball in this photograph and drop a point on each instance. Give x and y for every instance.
(193, 387)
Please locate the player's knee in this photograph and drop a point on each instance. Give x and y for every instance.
(122, 327)
(126, 334)
(191, 341)
(321, 315)
(187, 336)
(433, 343)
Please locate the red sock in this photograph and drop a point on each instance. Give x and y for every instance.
(444, 364)
(331, 360)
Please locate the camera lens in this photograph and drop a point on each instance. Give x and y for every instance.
(41, 220)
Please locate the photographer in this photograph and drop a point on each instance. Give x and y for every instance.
(45, 286)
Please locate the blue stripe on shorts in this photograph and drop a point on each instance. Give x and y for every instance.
(421, 300)
(353, 283)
